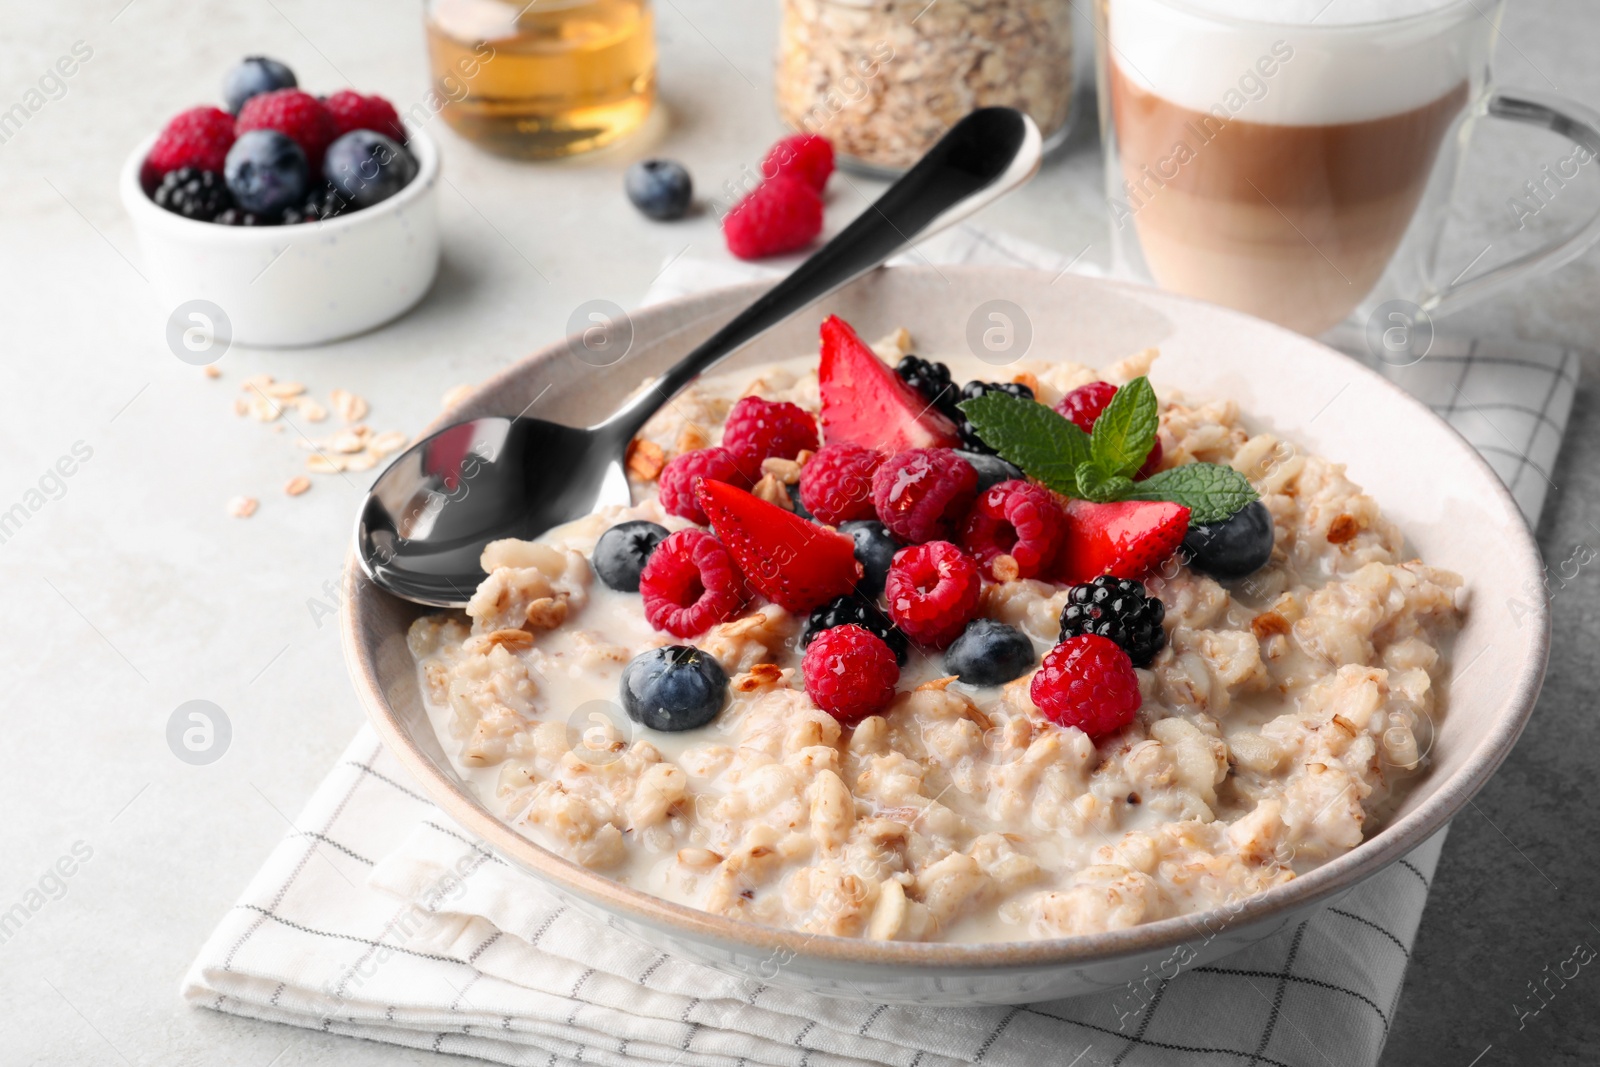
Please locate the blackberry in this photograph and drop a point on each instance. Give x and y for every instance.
(932, 380)
(857, 611)
(193, 193)
(1117, 608)
(973, 390)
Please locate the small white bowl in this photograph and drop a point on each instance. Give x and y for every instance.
(305, 284)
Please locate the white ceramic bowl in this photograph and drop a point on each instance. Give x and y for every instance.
(1451, 506)
(296, 285)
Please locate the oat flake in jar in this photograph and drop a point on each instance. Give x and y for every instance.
(884, 79)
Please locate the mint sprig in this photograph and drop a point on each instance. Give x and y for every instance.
(1100, 466)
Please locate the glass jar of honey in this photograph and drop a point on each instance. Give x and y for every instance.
(546, 79)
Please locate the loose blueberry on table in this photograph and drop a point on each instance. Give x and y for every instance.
(277, 155)
(660, 188)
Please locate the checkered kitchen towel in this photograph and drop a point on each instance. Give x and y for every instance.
(378, 918)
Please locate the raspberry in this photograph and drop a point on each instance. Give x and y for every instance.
(1117, 608)
(199, 138)
(932, 592)
(1017, 519)
(1087, 682)
(836, 485)
(922, 494)
(1085, 403)
(679, 477)
(298, 115)
(352, 111)
(759, 429)
(1083, 406)
(807, 156)
(781, 215)
(850, 673)
(690, 584)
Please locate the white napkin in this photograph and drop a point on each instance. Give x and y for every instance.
(379, 918)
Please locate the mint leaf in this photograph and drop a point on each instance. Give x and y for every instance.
(1100, 485)
(1210, 492)
(1125, 431)
(1045, 444)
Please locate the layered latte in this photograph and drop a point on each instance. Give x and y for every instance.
(1272, 154)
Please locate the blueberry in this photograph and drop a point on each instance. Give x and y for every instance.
(875, 549)
(799, 506)
(366, 167)
(989, 653)
(622, 552)
(659, 187)
(253, 76)
(673, 688)
(992, 470)
(1236, 546)
(856, 611)
(266, 172)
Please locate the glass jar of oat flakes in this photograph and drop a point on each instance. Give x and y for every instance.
(884, 79)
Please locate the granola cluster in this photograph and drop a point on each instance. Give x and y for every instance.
(883, 79)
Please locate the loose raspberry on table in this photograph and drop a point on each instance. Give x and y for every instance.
(690, 584)
(1017, 519)
(758, 429)
(1083, 406)
(675, 487)
(849, 672)
(1087, 682)
(198, 138)
(352, 111)
(807, 156)
(932, 592)
(836, 485)
(781, 215)
(922, 494)
(296, 114)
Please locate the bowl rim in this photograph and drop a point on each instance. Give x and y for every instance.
(145, 213)
(1389, 845)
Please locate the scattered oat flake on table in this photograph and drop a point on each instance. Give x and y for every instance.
(212, 371)
(240, 408)
(242, 507)
(388, 441)
(309, 409)
(322, 463)
(283, 390)
(351, 408)
(297, 485)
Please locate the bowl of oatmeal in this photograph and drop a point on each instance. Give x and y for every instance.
(1174, 629)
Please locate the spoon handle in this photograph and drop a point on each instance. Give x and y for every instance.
(983, 157)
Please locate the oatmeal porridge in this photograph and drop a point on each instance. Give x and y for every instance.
(992, 708)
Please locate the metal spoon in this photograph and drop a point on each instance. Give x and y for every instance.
(430, 514)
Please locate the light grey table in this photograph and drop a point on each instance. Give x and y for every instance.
(131, 590)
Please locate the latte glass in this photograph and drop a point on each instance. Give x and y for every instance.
(1303, 170)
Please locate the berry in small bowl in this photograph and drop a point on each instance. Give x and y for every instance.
(299, 220)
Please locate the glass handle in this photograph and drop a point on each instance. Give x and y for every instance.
(1580, 125)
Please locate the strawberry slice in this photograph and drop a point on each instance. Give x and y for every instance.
(796, 564)
(1127, 539)
(866, 403)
